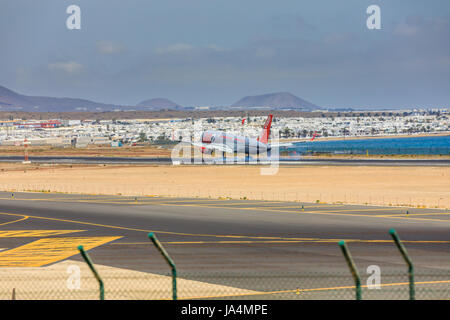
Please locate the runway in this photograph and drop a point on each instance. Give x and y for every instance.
(284, 161)
(270, 247)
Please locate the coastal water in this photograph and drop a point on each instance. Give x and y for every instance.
(439, 145)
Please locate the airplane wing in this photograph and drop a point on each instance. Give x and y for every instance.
(283, 144)
(213, 146)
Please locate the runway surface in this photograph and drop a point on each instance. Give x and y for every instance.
(272, 247)
(282, 161)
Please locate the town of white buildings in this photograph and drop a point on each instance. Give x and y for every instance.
(81, 133)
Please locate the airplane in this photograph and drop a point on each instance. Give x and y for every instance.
(219, 141)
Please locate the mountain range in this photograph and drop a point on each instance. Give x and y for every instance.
(159, 103)
(10, 100)
(13, 101)
(278, 100)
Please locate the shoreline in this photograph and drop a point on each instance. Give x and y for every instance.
(421, 135)
(335, 156)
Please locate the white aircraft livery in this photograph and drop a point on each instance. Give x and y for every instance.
(220, 141)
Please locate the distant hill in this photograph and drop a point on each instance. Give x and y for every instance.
(159, 104)
(278, 100)
(10, 100)
(13, 101)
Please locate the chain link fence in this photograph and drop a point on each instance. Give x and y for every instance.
(85, 280)
(61, 283)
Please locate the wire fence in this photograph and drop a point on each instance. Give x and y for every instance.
(353, 197)
(85, 280)
(134, 285)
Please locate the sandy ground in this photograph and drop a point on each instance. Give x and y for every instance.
(397, 186)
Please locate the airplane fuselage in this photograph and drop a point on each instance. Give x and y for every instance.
(237, 143)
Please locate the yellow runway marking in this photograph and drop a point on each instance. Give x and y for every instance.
(101, 200)
(48, 250)
(298, 207)
(380, 216)
(198, 203)
(413, 214)
(418, 219)
(219, 242)
(321, 289)
(18, 220)
(245, 205)
(34, 233)
(175, 233)
(157, 231)
(166, 201)
(216, 200)
(169, 202)
(75, 197)
(297, 241)
(50, 200)
(331, 212)
(284, 242)
(141, 230)
(131, 198)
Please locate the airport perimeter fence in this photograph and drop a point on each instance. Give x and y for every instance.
(84, 280)
(122, 284)
(382, 198)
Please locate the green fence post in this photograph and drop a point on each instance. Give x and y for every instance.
(94, 271)
(351, 265)
(398, 243)
(169, 260)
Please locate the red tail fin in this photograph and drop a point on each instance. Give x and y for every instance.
(264, 137)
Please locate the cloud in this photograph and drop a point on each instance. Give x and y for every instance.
(22, 74)
(406, 30)
(186, 48)
(265, 52)
(108, 47)
(340, 38)
(69, 67)
(216, 48)
(416, 26)
(290, 21)
(175, 48)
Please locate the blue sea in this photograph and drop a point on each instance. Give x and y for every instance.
(412, 146)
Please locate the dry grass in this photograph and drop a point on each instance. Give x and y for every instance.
(91, 151)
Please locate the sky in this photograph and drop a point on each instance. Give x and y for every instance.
(214, 52)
